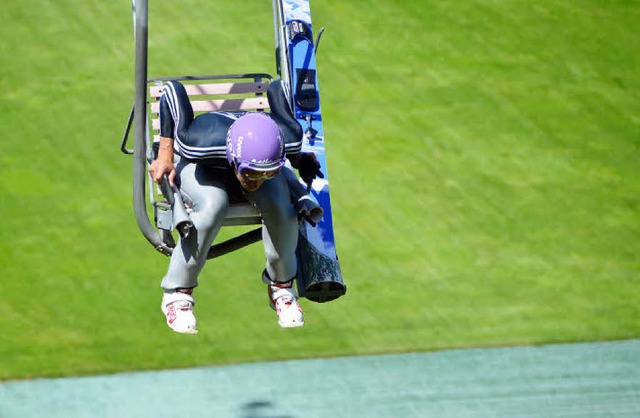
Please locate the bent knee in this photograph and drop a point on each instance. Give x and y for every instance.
(278, 211)
(211, 212)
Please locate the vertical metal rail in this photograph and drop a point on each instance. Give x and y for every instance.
(141, 29)
(282, 48)
(276, 34)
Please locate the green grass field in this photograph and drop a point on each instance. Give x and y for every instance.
(484, 168)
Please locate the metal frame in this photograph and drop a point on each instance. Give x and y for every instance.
(138, 118)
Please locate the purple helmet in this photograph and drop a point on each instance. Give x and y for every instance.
(255, 142)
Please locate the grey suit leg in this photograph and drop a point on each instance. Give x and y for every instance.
(207, 195)
(279, 226)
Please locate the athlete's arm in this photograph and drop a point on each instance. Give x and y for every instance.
(164, 163)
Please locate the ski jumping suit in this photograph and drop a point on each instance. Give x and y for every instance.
(208, 184)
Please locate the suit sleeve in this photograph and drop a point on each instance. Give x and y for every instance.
(282, 114)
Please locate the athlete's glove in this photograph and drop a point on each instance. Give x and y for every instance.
(308, 210)
(308, 167)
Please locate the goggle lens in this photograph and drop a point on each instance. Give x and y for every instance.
(252, 175)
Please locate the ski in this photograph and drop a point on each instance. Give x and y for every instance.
(319, 276)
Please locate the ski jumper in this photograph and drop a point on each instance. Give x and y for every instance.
(208, 184)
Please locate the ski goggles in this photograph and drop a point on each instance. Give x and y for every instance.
(250, 174)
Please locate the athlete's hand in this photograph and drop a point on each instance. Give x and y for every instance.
(308, 167)
(160, 167)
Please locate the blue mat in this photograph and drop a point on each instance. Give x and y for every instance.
(569, 380)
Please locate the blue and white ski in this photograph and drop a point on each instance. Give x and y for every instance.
(319, 275)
